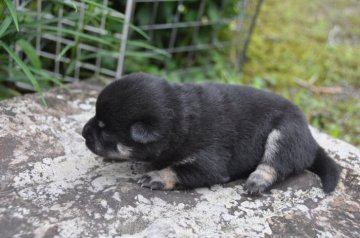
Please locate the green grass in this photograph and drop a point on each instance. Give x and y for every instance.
(316, 41)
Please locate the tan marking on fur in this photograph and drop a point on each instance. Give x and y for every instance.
(267, 172)
(124, 152)
(272, 146)
(264, 172)
(167, 176)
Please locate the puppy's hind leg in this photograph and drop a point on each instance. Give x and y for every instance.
(261, 179)
(265, 173)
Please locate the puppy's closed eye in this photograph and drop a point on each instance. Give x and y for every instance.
(143, 134)
(106, 136)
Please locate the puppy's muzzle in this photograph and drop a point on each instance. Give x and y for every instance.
(89, 136)
(86, 131)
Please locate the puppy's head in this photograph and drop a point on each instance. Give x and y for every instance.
(132, 119)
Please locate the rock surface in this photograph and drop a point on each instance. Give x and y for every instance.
(51, 185)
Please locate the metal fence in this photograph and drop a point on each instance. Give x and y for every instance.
(50, 46)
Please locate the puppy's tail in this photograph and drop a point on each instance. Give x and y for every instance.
(327, 169)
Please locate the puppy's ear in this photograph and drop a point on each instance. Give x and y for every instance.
(143, 134)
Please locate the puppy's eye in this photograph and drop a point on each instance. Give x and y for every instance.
(105, 135)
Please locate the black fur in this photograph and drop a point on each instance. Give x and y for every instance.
(208, 133)
(328, 174)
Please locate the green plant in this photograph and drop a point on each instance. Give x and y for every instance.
(301, 46)
(211, 32)
(12, 18)
(19, 30)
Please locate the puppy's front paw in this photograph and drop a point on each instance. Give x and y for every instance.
(151, 181)
(164, 179)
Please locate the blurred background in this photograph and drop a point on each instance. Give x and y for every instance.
(307, 51)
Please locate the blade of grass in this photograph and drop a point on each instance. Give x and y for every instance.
(103, 7)
(14, 78)
(38, 23)
(25, 69)
(73, 4)
(141, 32)
(70, 68)
(132, 26)
(148, 46)
(6, 92)
(121, 20)
(41, 75)
(42, 22)
(114, 55)
(12, 11)
(5, 25)
(105, 53)
(30, 53)
(146, 55)
(66, 48)
(79, 34)
(47, 76)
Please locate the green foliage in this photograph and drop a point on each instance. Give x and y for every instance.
(27, 48)
(19, 30)
(23, 67)
(211, 32)
(310, 40)
(12, 12)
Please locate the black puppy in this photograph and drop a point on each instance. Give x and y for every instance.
(200, 135)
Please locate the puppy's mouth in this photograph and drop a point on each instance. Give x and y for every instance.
(94, 147)
(118, 152)
(121, 152)
(104, 146)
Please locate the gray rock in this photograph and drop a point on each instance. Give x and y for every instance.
(51, 185)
